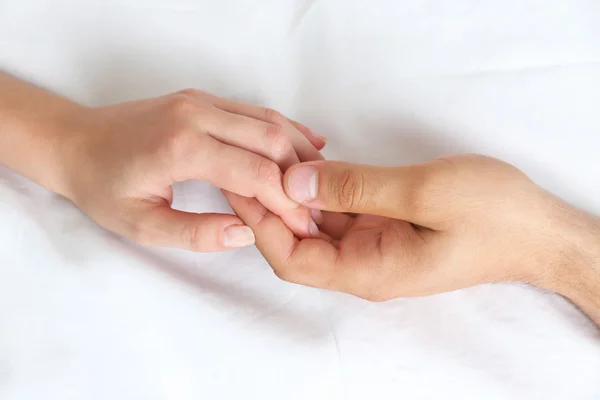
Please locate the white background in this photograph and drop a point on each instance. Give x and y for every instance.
(85, 314)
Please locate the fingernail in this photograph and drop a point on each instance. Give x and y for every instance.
(302, 184)
(319, 136)
(237, 236)
(313, 229)
(317, 215)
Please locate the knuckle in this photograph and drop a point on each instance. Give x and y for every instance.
(191, 236)
(181, 105)
(274, 117)
(190, 92)
(349, 191)
(374, 296)
(267, 172)
(277, 142)
(284, 274)
(377, 298)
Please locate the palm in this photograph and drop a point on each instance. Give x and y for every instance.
(363, 237)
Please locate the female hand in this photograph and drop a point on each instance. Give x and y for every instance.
(422, 229)
(127, 156)
(118, 163)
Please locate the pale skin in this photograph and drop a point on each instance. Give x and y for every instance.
(415, 230)
(118, 163)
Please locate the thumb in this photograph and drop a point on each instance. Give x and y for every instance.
(165, 227)
(392, 192)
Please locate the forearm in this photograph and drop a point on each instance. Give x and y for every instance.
(34, 124)
(576, 275)
(585, 292)
(587, 295)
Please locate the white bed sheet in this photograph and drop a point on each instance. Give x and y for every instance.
(85, 314)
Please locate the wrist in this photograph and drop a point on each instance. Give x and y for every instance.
(37, 132)
(65, 135)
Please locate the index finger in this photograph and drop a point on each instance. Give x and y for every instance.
(310, 262)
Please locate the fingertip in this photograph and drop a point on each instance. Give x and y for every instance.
(235, 236)
(213, 232)
(319, 140)
(165, 227)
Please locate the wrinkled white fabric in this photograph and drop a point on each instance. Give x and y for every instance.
(85, 314)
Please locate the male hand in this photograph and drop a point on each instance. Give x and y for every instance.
(422, 229)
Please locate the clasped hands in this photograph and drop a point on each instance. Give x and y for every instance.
(375, 232)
